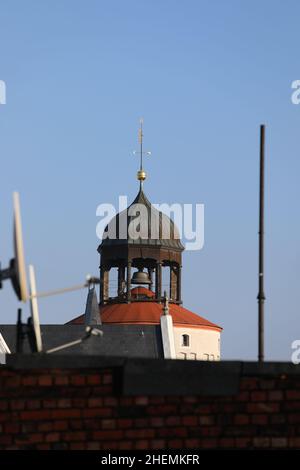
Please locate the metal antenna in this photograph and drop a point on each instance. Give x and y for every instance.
(141, 142)
(141, 174)
(261, 295)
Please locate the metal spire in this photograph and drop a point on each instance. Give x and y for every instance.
(141, 174)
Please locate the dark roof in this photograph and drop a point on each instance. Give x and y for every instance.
(117, 340)
(158, 223)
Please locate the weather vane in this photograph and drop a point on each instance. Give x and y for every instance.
(141, 174)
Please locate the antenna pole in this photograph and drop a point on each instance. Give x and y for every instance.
(141, 143)
(261, 294)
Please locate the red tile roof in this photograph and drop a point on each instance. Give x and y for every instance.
(148, 313)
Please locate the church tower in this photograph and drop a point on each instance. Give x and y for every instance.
(140, 279)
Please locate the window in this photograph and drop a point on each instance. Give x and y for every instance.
(206, 357)
(185, 341)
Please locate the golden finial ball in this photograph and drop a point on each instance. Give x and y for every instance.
(141, 175)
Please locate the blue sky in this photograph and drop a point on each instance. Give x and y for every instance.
(204, 75)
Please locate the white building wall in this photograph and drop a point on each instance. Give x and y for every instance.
(204, 344)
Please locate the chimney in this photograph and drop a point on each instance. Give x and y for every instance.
(167, 332)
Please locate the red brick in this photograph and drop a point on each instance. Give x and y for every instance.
(140, 433)
(78, 445)
(227, 443)
(95, 402)
(107, 379)
(108, 424)
(124, 423)
(162, 410)
(259, 419)
(267, 384)
(263, 407)
(58, 414)
(75, 424)
(126, 401)
(34, 438)
(294, 418)
(279, 442)
(278, 418)
(240, 419)
(79, 402)
(94, 379)
(292, 394)
(93, 446)
(191, 443)
(45, 380)
(294, 442)
(156, 422)
(35, 415)
(5, 416)
(208, 443)
(17, 404)
(109, 445)
(13, 382)
(190, 420)
(52, 437)
(243, 442)
(175, 444)
(275, 395)
(190, 399)
(97, 412)
(126, 445)
(64, 403)
(5, 439)
(141, 401)
(158, 444)
(158, 400)
(243, 396)
(141, 423)
(173, 420)
(206, 420)
(12, 428)
(103, 435)
(111, 401)
(45, 426)
(49, 403)
(78, 380)
(249, 383)
(172, 432)
(29, 381)
(60, 425)
(62, 380)
(33, 404)
(74, 436)
(3, 405)
(142, 444)
(261, 442)
(42, 446)
(258, 396)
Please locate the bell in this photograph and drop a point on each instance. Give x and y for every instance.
(140, 277)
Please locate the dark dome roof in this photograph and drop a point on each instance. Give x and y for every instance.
(146, 222)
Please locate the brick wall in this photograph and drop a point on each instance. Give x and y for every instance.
(61, 407)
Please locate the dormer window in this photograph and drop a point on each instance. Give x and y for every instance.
(185, 341)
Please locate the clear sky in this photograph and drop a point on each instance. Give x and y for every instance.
(204, 75)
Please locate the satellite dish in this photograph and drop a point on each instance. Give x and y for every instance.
(35, 319)
(17, 271)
